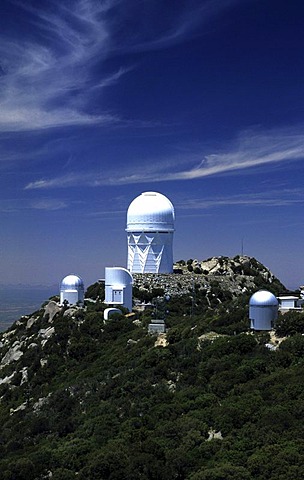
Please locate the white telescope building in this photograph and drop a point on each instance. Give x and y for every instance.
(150, 227)
(263, 310)
(72, 290)
(118, 287)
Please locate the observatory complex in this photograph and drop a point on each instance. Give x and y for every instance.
(150, 227)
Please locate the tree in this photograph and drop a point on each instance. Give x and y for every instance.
(290, 323)
(294, 345)
(222, 472)
(20, 469)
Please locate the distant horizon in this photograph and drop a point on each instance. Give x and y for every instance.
(18, 300)
(56, 285)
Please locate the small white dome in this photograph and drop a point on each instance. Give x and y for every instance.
(263, 298)
(72, 282)
(150, 211)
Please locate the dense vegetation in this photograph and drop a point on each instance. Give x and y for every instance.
(90, 400)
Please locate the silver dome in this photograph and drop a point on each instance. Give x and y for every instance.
(72, 282)
(263, 298)
(150, 211)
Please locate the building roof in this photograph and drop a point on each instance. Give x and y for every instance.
(71, 282)
(150, 211)
(263, 298)
(288, 297)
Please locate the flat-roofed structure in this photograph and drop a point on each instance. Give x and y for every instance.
(157, 326)
(290, 302)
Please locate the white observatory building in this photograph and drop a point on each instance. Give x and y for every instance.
(263, 310)
(118, 287)
(72, 290)
(150, 227)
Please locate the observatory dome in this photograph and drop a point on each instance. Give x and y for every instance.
(263, 298)
(150, 211)
(72, 282)
(71, 290)
(263, 310)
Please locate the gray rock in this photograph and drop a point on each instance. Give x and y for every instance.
(51, 309)
(12, 355)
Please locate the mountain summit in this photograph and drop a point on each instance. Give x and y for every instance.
(83, 398)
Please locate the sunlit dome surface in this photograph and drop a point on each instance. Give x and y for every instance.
(71, 282)
(263, 298)
(150, 211)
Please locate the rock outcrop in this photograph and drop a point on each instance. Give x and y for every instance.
(236, 275)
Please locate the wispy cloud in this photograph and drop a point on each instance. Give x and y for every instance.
(50, 78)
(184, 21)
(47, 79)
(253, 149)
(272, 198)
(48, 204)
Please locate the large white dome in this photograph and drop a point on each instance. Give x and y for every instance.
(150, 211)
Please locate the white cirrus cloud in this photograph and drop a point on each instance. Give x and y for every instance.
(143, 26)
(48, 204)
(51, 73)
(47, 79)
(284, 197)
(253, 149)
(14, 205)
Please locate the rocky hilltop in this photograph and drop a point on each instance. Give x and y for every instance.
(238, 275)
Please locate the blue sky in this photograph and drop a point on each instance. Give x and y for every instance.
(202, 101)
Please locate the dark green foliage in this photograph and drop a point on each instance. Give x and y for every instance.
(145, 295)
(101, 401)
(63, 474)
(230, 322)
(290, 323)
(95, 291)
(224, 471)
(294, 346)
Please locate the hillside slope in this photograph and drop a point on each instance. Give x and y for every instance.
(83, 399)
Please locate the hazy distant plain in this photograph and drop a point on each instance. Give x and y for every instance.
(18, 300)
